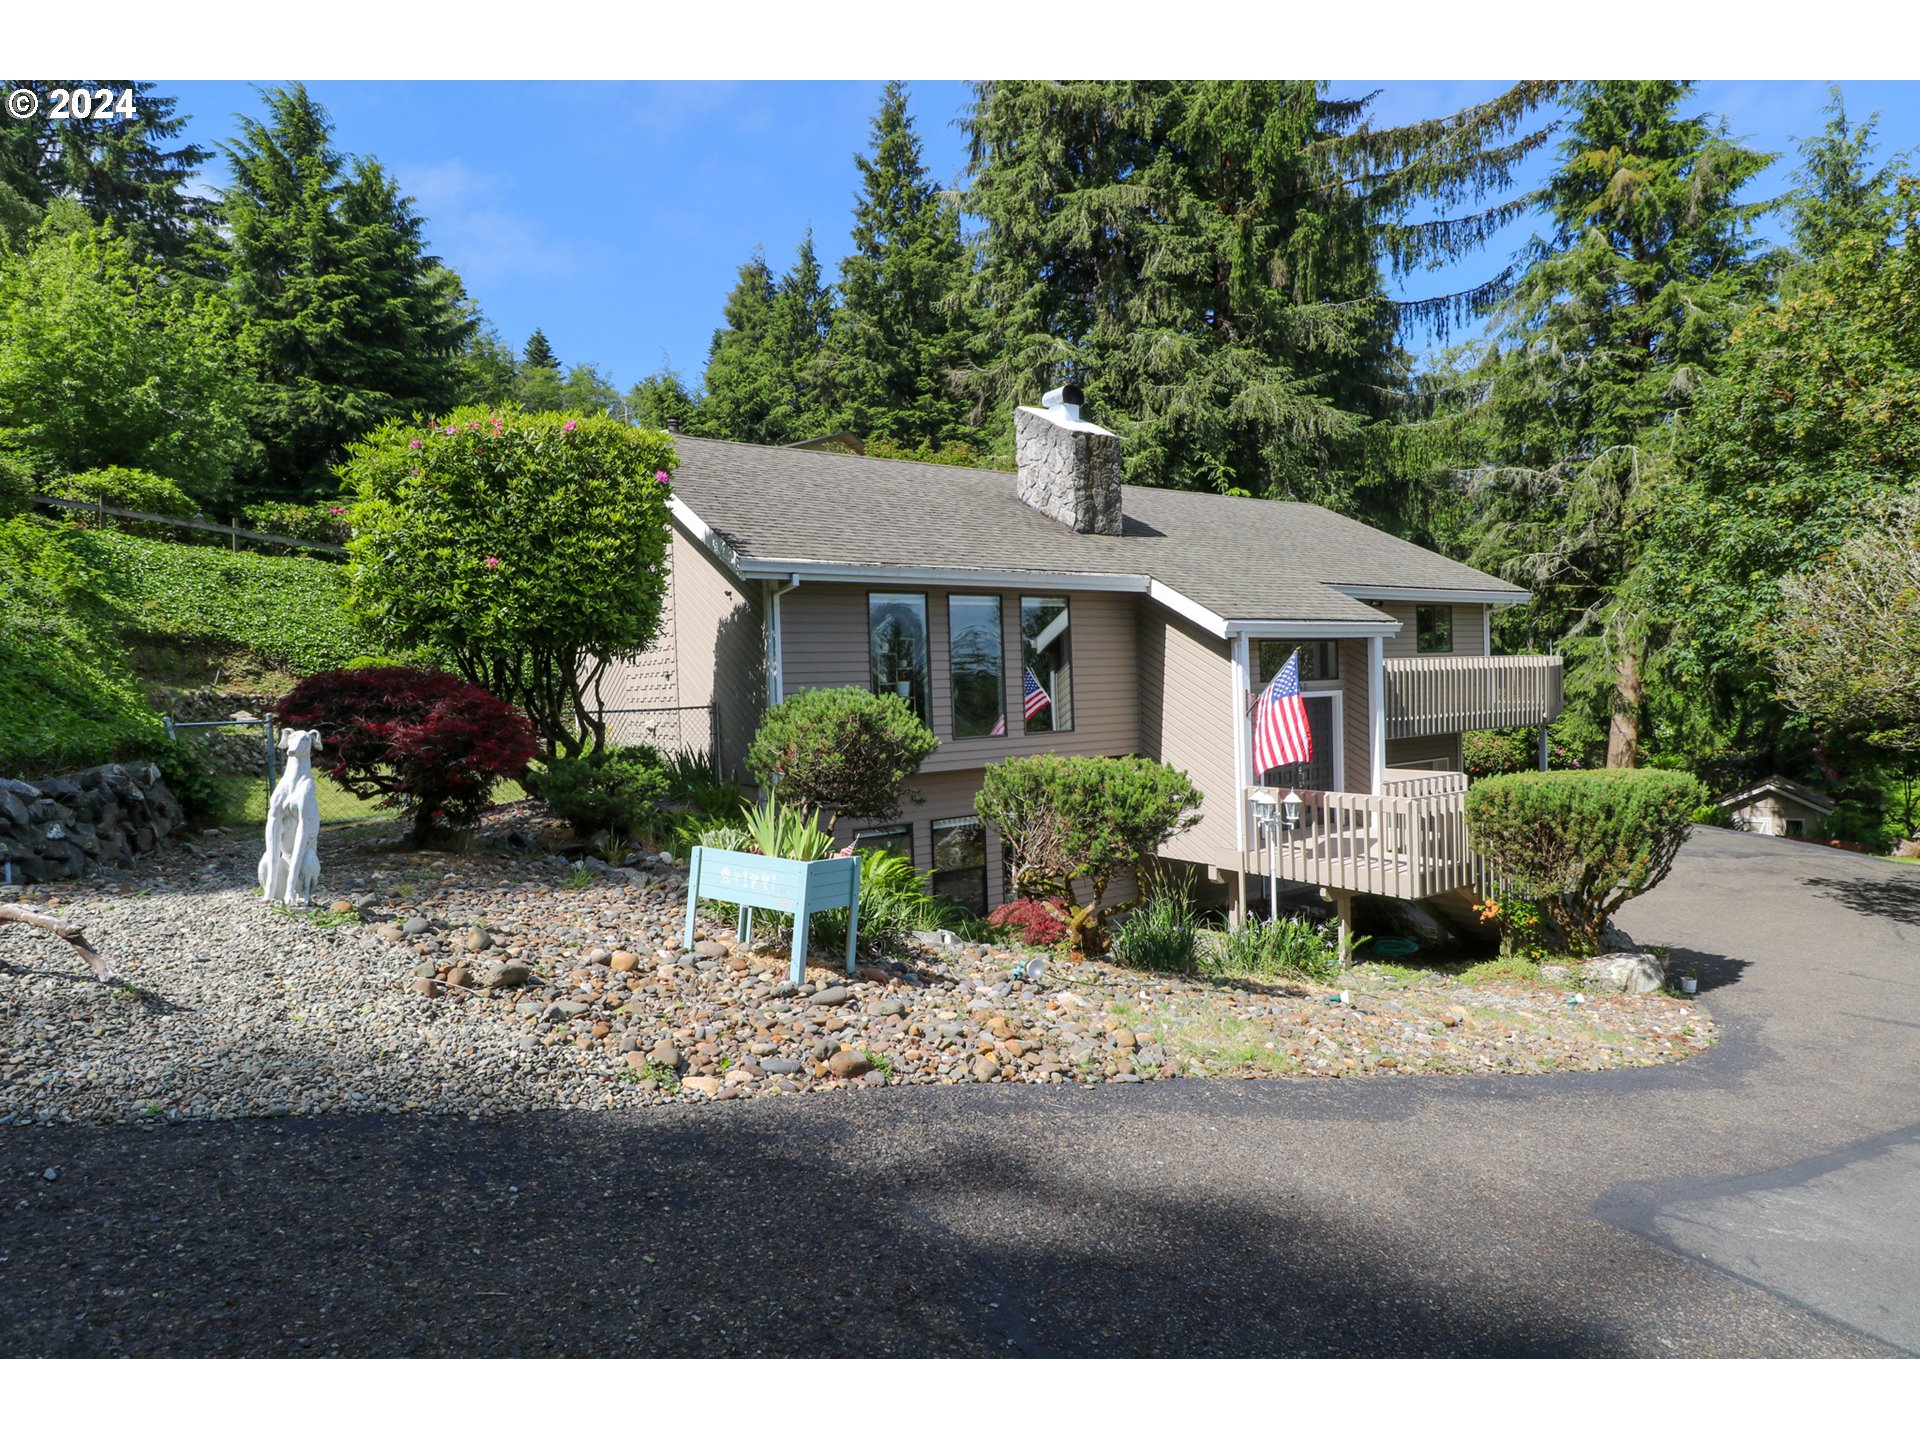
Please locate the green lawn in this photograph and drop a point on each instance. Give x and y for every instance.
(243, 801)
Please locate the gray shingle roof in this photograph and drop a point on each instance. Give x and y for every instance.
(1242, 559)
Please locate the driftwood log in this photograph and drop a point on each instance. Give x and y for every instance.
(74, 935)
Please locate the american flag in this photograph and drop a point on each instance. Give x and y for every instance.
(1281, 735)
(999, 726)
(1037, 697)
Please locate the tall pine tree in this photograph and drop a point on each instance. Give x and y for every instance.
(1840, 192)
(539, 352)
(1204, 258)
(901, 334)
(766, 372)
(124, 170)
(1607, 337)
(346, 319)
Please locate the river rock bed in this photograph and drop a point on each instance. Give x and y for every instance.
(507, 979)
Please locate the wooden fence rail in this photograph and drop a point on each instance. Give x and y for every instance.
(235, 533)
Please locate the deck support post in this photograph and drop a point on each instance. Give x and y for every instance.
(1240, 902)
(1343, 912)
(1543, 745)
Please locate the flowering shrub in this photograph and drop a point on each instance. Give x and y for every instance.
(530, 549)
(422, 742)
(1519, 923)
(1041, 923)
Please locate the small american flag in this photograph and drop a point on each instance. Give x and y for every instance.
(1037, 697)
(1281, 735)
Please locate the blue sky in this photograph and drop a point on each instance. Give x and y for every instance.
(614, 215)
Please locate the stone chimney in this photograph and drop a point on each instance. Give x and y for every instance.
(1069, 467)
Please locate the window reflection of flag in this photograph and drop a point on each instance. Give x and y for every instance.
(999, 726)
(1037, 697)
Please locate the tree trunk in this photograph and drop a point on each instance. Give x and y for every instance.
(1623, 730)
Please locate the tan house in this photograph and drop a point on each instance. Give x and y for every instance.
(1057, 609)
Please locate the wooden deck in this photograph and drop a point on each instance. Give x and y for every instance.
(1408, 846)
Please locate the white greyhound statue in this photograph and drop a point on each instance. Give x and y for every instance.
(291, 865)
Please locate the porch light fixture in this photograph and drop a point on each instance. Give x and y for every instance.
(1290, 811)
(1266, 816)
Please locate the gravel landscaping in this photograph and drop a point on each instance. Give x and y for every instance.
(505, 979)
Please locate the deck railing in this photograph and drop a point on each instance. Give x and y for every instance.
(1442, 694)
(1422, 782)
(1405, 846)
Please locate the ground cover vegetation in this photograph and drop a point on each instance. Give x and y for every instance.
(1656, 417)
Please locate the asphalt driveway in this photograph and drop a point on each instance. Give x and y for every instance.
(1757, 1200)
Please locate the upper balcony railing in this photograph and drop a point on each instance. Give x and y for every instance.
(1442, 694)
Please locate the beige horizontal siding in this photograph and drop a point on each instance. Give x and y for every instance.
(709, 647)
(1358, 756)
(1469, 630)
(823, 641)
(1188, 718)
(1425, 747)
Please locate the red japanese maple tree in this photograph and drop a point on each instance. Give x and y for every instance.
(425, 743)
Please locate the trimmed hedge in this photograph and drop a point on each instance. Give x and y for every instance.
(288, 610)
(845, 752)
(1582, 843)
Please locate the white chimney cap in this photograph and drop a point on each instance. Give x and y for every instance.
(1063, 402)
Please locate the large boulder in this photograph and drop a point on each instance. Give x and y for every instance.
(1630, 972)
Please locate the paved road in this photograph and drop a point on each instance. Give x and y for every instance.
(1758, 1200)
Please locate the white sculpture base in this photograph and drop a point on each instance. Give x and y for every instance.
(290, 868)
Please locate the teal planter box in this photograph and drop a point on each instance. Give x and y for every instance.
(800, 888)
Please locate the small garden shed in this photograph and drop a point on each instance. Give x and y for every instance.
(1777, 806)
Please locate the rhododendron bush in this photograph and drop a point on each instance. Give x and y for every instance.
(423, 742)
(528, 549)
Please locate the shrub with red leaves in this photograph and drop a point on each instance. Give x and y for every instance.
(1040, 923)
(425, 743)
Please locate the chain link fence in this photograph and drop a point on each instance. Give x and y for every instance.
(684, 729)
(241, 759)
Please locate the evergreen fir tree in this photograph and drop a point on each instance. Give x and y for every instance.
(540, 353)
(346, 320)
(1204, 258)
(765, 379)
(901, 334)
(1609, 333)
(1837, 194)
(121, 170)
(661, 401)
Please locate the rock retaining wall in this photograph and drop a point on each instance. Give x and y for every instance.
(56, 829)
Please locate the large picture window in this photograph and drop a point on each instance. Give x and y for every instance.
(1047, 656)
(960, 862)
(973, 647)
(897, 647)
